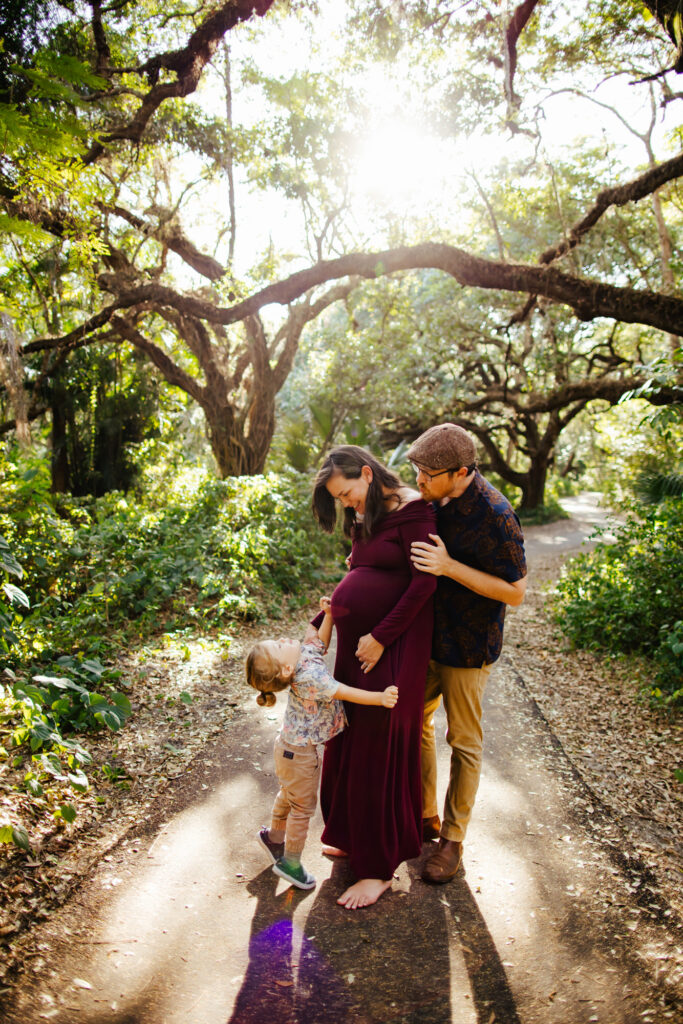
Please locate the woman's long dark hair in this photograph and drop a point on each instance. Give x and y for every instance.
(349, 459)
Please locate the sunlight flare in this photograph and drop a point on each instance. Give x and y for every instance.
(400, 162)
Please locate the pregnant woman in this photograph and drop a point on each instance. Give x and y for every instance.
(382, 609)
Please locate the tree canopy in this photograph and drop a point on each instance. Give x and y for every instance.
(541, 281)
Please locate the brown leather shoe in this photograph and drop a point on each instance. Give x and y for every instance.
(431, 828)
(443, 863)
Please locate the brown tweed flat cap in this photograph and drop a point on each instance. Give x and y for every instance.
(445, 446)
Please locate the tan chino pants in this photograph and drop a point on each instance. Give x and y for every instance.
(298, 772)
(462, 690)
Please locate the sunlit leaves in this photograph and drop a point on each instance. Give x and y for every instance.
(8, 562)
(625, 595)
(207, 559)
(63, 73)
(15, 834)
(15, 595)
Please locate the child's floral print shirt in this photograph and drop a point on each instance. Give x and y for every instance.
(312, 715)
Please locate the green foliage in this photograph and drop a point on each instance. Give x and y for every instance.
(625, 596)
(45, 127)
(36, 711)
(655, 486)
(106, 402)
(53, 705)
(22, 28)
(11, 598)
(669, 680)
(550, 512)
(297, 447)
(305, 149)
(197, 551)
(46, 706)
(15, 834)
(664, 372)
(636, 449)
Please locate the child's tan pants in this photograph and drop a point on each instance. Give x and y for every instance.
(298, 772)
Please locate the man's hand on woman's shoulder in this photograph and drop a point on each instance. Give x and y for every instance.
(433, 558)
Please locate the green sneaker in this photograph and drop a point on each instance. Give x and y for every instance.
(294, 873)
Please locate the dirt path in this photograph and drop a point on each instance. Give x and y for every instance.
(556, 919)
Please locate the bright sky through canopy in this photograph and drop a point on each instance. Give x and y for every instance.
(399, 163)
(402, 170)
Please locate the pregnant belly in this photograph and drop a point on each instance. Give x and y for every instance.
(365, 596)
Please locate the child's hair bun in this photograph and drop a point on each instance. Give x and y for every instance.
(266, 700)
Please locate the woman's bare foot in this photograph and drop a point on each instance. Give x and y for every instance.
(334, 851)
(364, 893)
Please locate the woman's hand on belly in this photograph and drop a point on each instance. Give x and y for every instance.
(368, 652)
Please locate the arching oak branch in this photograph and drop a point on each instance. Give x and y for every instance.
(619, 195)
(187, 63)
(589, 299)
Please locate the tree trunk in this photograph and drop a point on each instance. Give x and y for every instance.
(60, 459)
(234, 454)
(229, 161)
(538, 447)
(239, 451)
(533, 488)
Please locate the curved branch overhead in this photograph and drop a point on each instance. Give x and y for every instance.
(187, 64)
(173, 373)
(609, 389)
(618, 195)
(516, 26)
(173, 237)
(589, 299)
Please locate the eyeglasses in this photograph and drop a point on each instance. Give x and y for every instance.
(431, 476)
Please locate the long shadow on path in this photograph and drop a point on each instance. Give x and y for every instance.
(491, 991)
(268, 990)
(420, 956)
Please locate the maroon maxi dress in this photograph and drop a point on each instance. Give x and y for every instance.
(370, 791)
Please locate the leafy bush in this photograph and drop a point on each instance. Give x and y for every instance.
(51, 705)
(550, 512)
(669, 680)
(653, 485)
(36, 711)
(11, 597)
(196, 551)
(626, 596)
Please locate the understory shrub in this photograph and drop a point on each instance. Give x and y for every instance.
(627, 595)
(200, 551)
(37, 712)
(550, 512)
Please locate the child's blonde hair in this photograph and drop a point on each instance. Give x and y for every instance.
(264, 673)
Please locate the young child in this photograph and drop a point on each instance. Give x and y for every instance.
(314, 714)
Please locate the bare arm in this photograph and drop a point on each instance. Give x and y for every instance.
(323, 632)
(311, 633)
(325, 629)
(434, 558)
(383, 698)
